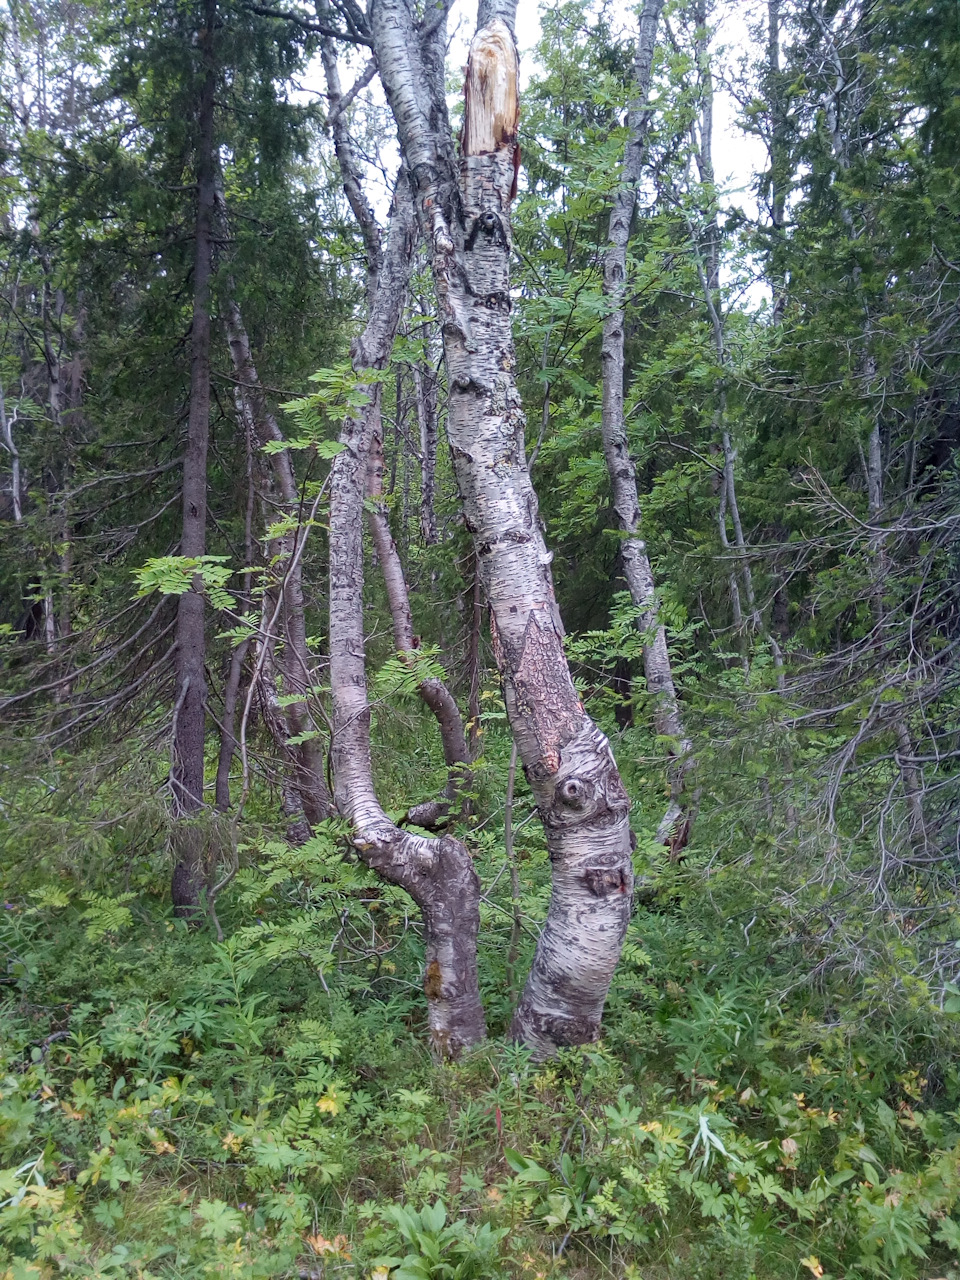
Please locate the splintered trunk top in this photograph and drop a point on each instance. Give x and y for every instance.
(567, 761)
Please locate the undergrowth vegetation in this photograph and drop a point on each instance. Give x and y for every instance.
(174, 1106)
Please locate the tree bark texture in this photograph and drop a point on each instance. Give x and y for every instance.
(437, 873)
(464, 211)
(189, 729)
(425, 385)
(675, 826)
(434, 692)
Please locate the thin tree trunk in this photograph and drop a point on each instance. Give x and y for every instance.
(298, 830)
(464, 210)
(675, 827)
(8, 442)
(189, 736)
(228, 737)
(425, 386)
(296, 666)
(433, 691)
(437, 872)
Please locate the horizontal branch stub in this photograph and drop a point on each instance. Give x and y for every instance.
(572, 793)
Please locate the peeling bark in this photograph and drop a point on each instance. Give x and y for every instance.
(464, 210)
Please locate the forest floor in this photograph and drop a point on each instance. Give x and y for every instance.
(265, 1106)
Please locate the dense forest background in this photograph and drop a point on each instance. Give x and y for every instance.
(238, 1076)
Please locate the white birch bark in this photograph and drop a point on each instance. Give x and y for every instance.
(675, 827)
(6, 439)
(437, 873)
(433, 691)
(464, 210)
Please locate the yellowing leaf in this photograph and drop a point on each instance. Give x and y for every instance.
(339, 1246)
(813, 1265)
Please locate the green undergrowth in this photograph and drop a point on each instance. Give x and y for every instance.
(171, 1106)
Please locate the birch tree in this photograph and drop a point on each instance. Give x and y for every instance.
(437, 872)
(675, 827)
(464, 208)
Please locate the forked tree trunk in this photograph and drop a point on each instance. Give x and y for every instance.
(190, 706)
(464, 210)
(674, 829)
(437, 873)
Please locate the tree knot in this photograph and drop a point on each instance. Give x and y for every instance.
(572, 792)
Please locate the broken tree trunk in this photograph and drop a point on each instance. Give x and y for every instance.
(675, 827)
(464, 212)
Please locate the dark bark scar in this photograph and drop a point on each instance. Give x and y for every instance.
(433, 981)
(603, 881)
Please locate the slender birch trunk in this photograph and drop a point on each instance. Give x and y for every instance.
(6, 439)
(464, 211)
(675, 827)
(437, 872)
(433, 691)
(189, 732)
